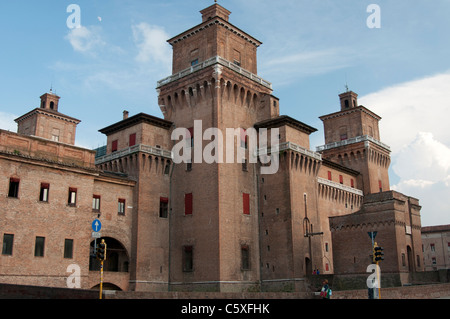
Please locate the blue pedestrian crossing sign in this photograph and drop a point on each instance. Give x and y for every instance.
(96, 225)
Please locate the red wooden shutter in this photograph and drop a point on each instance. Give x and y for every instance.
(114, 146)
(329, 175)
(188, 204)
(132, 139)
(246, 200)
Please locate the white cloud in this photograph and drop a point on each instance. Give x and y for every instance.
(425, 159)
(151, 42)
(414, 124)
(420, 105)
(85, 39)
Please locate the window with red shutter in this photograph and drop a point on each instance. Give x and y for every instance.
(329, 175)
(114, 146)
(246, 200)
(132, 139)
(188, 204)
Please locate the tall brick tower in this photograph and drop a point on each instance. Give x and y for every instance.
(352, 139)
(47, 122)
(214, 222)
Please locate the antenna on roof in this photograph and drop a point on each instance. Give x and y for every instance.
(346, 84)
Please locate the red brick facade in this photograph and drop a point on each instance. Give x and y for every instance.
(205, 226)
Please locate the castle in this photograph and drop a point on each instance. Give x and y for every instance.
(196, 225)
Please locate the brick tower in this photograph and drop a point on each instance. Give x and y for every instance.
(352, 139)
(214, 225)
(47, 122)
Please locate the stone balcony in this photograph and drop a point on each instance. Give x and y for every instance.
(364, 138)
(210, 62)
(134, 149)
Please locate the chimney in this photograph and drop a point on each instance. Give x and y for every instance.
(125, 114)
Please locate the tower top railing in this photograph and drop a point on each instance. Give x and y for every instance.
(209, 62)
(353, 140)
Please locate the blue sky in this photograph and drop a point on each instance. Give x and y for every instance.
(311, 50)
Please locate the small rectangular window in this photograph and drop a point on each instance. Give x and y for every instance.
(163, 207)
(167, 169)
(246, 201)
(188, 258)
(68, 248)
(245, 257)
(114, 146)
(329, 176)
(8, 240)
(190, 137)
(341, 179)
(188, 205)
(132, 140)
(96, 203)
(121, 206)
(39, 247)
(14, 187)
(43, 196)
(194, 62)
(72, 200)
(352, 183)
(244, 139)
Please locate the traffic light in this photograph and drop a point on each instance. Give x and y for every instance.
(378, 253)
(101, 251)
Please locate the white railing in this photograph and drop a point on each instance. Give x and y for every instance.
(134, 149)
(212, 61)
(340, 186)
(353, 140)
(291, 146)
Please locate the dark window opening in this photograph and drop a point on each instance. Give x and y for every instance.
(245, 257)
(39, 247)
(8, 240)
(188, 258)
(68, 248)
(14, 188)
(72, 200)
(163, 207)
(43, 195)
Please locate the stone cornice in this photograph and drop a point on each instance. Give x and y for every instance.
(349, 111)
(45, 112)
(210, 23)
